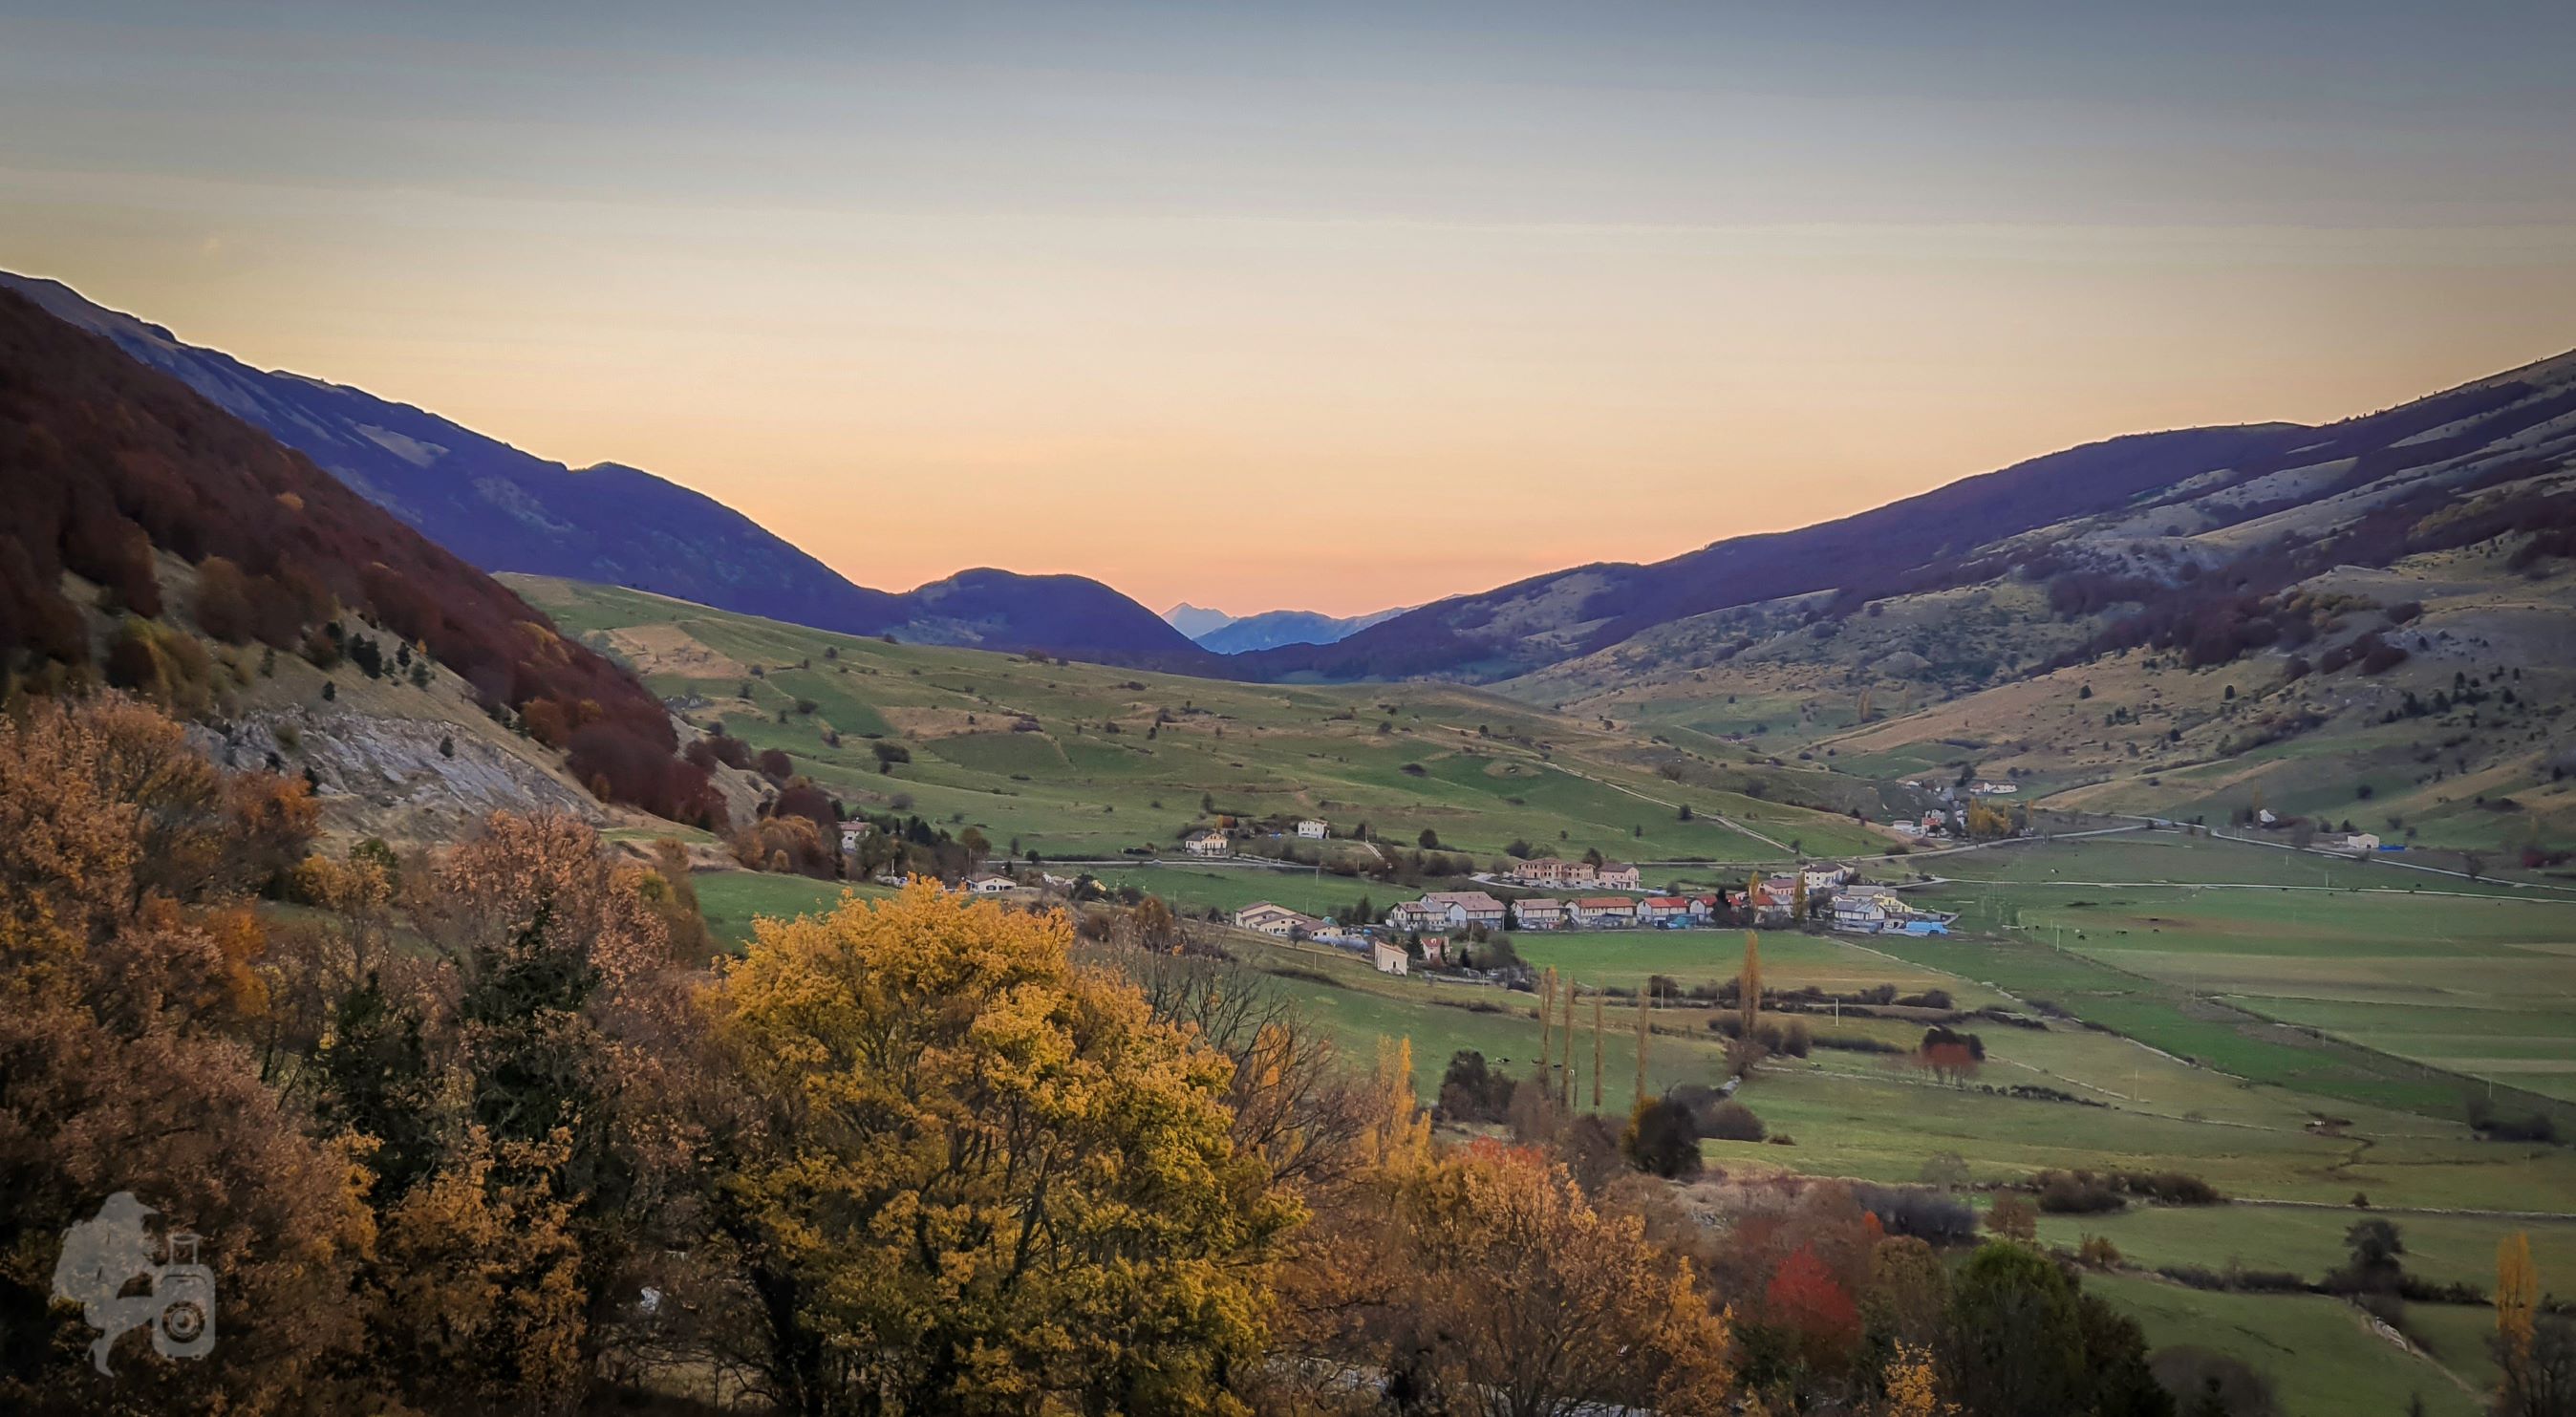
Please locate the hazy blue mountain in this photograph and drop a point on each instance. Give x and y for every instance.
(504, 509)
(1272, 628)
(1196, 621)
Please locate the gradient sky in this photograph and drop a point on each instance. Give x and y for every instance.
(1318, 305)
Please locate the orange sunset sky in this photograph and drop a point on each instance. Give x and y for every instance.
(1327, 307)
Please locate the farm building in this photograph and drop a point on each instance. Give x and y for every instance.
(1313, 829)
(1276, 920)
(1389, 959)
(1549, 871)
(1209, 843)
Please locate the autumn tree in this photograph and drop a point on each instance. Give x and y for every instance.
(2013, 1217)
(1522, 1299)
(560, 1009)
(2517, 1296)
(979, 1176)
(129, 999)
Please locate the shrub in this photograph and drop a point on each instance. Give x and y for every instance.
(2201, 1380)
(1662, 1140)
(1733, 1121)
(1920, 1212)
(2077, 1193)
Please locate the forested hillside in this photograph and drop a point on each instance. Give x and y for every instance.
(110, 474)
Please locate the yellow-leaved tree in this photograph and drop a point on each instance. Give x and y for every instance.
(1523, 1299)
(975, 1176)
(2517, 1296)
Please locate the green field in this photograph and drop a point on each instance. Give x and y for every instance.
(731, 900)
(1080, 761)
(2478, 986)
(1790, 959)
(2308, 1241)
(2323, 1360)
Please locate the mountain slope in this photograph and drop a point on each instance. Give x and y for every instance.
(2375, 624)
(507, 510)
(117, 482)
(1550, 618)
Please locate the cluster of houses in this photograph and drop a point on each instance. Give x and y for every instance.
(1821, 892)
(1209, 841)
(1548, 872)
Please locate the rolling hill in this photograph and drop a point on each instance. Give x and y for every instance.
(1078, 760)
(503, 509)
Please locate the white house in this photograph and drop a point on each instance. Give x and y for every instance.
(1312, 829)
(1416, 916)
(1466, 908)
(1867, 909)
(1658, 909)
(1209, 843)
(1276, 920)
(1539, 912)
(851, 833)
(1605, 912)
(1389, 959)
(992, 885)
(1823, 878)
(2358, 843)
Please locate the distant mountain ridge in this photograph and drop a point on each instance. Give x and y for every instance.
(1547, 619)
(503, 509)
(1216, 631)
(1274, 628)
(1196, 620)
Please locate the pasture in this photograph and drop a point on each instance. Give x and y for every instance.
(2322, 1357)
(2477, 985)
(1081, 760)
(731, 900)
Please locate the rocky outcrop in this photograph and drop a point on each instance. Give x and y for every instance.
(417, 778)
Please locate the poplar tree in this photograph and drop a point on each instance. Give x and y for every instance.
(2517, 1297)
(1596, 1052)
(1748, 985)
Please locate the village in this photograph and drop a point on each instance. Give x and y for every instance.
(1423, 930)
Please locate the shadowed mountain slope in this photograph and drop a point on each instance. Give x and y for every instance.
(504, 509)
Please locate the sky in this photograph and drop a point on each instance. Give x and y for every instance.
(1318, 305)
